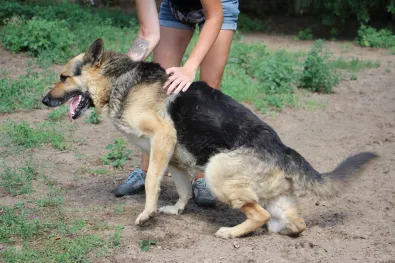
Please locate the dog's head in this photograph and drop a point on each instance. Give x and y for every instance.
(81, 82)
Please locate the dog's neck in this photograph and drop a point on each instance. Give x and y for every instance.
(124, 75)
(115, 65)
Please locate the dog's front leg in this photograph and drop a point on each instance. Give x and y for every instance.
(182, 180)
(162, 148)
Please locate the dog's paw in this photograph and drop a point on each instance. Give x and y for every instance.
(144, 217)
(294, 228)
(225, 233)
(170, 209)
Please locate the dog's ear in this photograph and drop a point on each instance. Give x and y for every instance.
(95, 52)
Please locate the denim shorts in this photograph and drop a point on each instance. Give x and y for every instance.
(230, 9)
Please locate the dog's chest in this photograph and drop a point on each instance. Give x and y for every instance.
(141, 141)
(180, 157)
(134, 136)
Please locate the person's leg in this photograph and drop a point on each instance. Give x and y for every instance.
(213, 65)
(175, 38)
(169, 53)
(211, 71)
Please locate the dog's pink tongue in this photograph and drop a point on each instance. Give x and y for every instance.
(73, 106)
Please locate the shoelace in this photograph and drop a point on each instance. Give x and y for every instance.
(134, 177)
(201, 185)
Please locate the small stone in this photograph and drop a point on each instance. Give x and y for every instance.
(235, 244)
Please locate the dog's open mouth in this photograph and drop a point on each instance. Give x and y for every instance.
(79, 104)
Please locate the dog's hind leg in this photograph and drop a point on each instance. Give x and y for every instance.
(256, 218)
(229, 179)
(284, 216)
(182, 180)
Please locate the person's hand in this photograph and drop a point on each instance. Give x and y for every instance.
(180, 78)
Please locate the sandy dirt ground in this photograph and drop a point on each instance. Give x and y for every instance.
(358, 226)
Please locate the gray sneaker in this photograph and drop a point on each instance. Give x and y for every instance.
(133, 185)
(202, 194)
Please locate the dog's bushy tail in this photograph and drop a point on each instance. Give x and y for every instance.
(331, 184)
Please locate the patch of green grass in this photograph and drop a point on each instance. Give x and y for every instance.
(318, 75)
(66, 243)
(94, 117)
(58, 114)
(39, 36)
(71, 13)
(371, 37)
(246, 24)
(16, 223)
(42, 230)
(53, 199)
(65, 249)
(25, 92)
(269, 80)
(355, 64)
(24, 135)
(334, 33)
(119, 208)
(56, 32)
(118, 154)
(306, 34)
(52, 241)
(115, 240)
(100, 226)
(146, 244)
(99, 171)
(47, 237)
(18, 181)
(346, 47)
(265, 79)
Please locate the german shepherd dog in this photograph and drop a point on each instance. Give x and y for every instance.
(246, 165)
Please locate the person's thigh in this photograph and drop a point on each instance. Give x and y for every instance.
(174, 38)
(213, 65)
(172, 46)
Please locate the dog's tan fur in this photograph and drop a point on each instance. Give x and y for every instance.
(240, 178)
(145, 120)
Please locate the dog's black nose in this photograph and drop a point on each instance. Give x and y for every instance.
(45, 101)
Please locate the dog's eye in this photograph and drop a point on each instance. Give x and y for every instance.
(63, 78)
